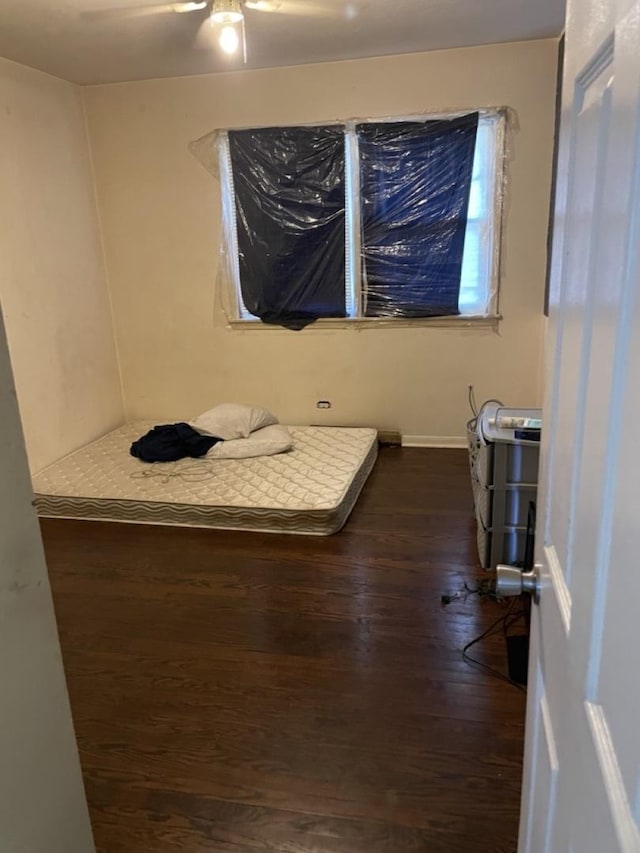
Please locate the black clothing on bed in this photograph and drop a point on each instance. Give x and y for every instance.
(170, 442)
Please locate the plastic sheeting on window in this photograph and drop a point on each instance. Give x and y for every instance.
(287, 193)
(415, 181)
(289, 188)
(480, 262)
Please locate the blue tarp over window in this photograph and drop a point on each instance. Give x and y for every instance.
(289, 188)
(415, 179)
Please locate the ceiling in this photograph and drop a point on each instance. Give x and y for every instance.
(68, 39)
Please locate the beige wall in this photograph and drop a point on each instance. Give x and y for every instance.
(159, 210)
(52, 281)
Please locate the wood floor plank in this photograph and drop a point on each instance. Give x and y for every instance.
(240, 692)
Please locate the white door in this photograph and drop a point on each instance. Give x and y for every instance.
(581, 789)
(42, 802)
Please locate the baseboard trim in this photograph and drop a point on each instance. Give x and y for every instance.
(458, 441)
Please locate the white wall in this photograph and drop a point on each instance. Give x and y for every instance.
(52, 280)
(159, 210)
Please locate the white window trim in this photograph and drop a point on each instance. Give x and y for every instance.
(355, 296)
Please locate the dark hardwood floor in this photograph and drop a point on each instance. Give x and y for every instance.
(259, 692)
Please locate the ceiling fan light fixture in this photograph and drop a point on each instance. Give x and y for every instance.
(228, 39)
(226, 12)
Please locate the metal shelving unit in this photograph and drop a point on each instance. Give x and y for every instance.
(504, 479)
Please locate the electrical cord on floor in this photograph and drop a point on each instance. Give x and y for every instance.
(484, 588)
(503, 622)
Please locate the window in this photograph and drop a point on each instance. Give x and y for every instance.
(366, 220)
(479, 280)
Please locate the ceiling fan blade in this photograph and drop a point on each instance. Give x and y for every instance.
(299, 8)
(189, 6)
(127, 12)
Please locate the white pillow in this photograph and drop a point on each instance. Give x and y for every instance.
(232, 420)
(264, 442)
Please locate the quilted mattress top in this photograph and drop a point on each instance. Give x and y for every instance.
(314, 475)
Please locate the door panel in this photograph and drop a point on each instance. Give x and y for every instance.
(546, 782)
(582, 761)
(589, 142)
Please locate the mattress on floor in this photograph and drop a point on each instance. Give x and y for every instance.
(310, 489)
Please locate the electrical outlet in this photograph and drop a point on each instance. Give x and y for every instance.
(323, 404)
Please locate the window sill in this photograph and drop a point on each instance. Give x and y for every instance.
(468, 321)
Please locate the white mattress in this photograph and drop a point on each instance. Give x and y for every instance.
(310, 489)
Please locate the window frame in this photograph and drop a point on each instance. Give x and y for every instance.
(355, 295)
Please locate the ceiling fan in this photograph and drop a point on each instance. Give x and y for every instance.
(224, 20)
